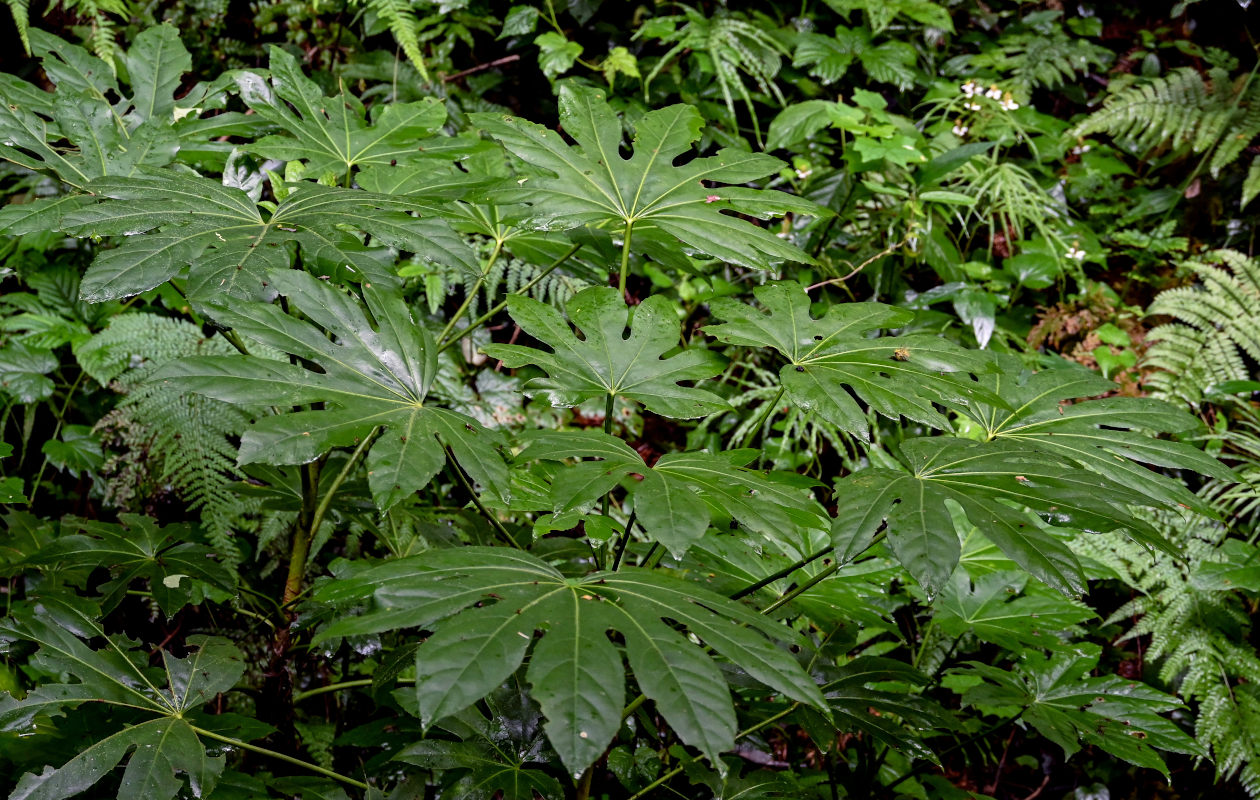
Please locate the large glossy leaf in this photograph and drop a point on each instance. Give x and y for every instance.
(1070, 708)
(375, 372)
(992, 483)
(995, 609)
(830, 356)
(679, 496)
(605, 362)
(164, 747)
(333, 134)
(577, 678)
(156, 63)
(82, 130)
(663, 205)
(177, 572)
(1111, 436)
(230, 243)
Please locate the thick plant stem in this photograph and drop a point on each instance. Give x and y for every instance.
(625, 259)
(297, 762)
(308, 524)
(584, 784)
(472, 295)
(489, 315)
(300, 547)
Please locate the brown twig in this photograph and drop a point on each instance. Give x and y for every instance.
(498, 62)
(1037, 792)
(886, 251)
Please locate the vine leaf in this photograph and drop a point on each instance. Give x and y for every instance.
(1070, 708)
(578, 679)
(333, 135)
(895, 375)
(679, 496)
(371, 377)
(982, 479)
(1109, 436)
(604, 363)
(661, 204)
(164, 746)
(178, 571)
(230, 245)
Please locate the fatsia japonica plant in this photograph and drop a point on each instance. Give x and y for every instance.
(540, 550)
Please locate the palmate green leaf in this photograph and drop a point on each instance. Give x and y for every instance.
(828, 357)
(163, 747)
(162, 750)
(578, 679)
(992, 607)
(660, 204)
(376, 373)
(992, 482)
(230, 244)
(333, 134)
(679, 496)
(500, 757)
(1071, 709)
(605, 363)
(1111, 436)
(82, 130)
(178, 571)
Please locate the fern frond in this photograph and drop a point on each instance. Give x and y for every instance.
(171, 441)
(1199, 637)
(405, 27)
(1216, 320)
(20, 10)
(1172, 108)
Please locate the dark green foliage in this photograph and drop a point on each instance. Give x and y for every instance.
(457, 400)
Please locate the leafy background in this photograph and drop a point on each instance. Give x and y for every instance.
(470, 399)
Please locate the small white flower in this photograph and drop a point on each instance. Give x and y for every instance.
(1075, 254)
(970, 89)
(804, 173)
(1008, 102)
(1077, 151)
(994, 93)
(960, 129)
(971, 106)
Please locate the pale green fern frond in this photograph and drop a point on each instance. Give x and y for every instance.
(20, 10)
(400, 17)
(1218, 116)
(170, 441)
(1177, 107)
(1217, 320)
(1197, 635)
